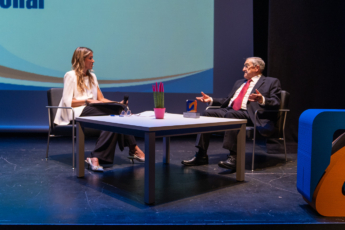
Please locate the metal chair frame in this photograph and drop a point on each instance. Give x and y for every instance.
(254, 128)
(50, 129)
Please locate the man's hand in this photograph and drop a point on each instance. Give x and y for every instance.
(256, 97)
(205, 98)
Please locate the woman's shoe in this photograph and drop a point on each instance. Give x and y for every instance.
(132, 156)
(93, 167)
(135, 157)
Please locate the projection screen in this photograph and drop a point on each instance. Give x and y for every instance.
(135, 43)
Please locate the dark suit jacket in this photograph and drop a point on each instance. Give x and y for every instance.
(270, 88)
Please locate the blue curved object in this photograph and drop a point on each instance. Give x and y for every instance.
(315, 135)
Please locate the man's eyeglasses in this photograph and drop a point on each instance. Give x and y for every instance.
(247, 66)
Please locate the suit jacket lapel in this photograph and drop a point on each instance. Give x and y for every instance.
(260, 82)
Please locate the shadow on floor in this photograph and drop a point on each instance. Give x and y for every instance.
(172, 183)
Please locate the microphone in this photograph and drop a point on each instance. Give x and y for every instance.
(125, 99)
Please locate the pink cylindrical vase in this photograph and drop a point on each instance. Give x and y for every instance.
(159, 113)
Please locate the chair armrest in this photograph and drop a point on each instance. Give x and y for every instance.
(284, 110)
(212, 107)
(262, 110)
(278, 110)
(58, 107)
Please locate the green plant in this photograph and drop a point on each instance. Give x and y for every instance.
(158, 95)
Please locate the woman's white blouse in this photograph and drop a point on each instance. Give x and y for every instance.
(70, 90)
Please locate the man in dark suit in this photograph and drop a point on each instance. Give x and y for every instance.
(253, 92)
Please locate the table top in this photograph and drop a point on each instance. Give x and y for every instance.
(146, 121)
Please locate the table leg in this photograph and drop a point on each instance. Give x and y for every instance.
(241, 153)
(166, 150)
(150, 152)
(80, 151)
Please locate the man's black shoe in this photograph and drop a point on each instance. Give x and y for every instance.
(196, 160)
(230, 163)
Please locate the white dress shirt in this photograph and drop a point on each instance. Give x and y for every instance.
(246, 96)
(70, 90)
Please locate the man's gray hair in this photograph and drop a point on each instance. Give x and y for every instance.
(257, 62)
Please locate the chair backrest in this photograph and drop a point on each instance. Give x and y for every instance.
(284, 104)
(54, 97)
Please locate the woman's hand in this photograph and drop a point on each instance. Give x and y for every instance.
(77, 103)
(89, 101)
(122, 102)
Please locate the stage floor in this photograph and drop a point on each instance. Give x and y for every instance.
(36, 191)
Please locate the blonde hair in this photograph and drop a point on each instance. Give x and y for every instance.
(78, 65)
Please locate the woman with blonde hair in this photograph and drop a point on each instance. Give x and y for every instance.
(80, 89)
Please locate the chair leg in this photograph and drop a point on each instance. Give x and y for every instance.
(285, 146)
(253, 151)
(73, 140)
(284, 135)
(73, 159)
(48, 144)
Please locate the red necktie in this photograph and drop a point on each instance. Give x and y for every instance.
(237, 104)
